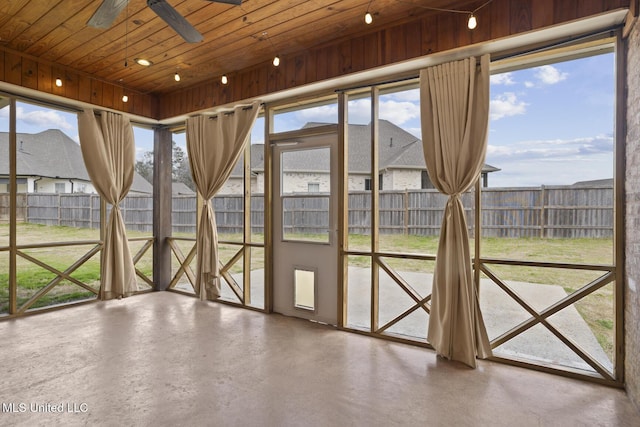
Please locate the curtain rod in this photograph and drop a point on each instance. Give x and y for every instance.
(230, 113)
(557, 44)
(384, 82)
(495, 57)
(49, 104)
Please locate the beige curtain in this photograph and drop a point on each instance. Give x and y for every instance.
(454, 101)
(108, 150)
(214, 145)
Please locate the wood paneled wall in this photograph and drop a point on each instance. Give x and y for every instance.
(22, 70)
(408, 40)
(423, 36)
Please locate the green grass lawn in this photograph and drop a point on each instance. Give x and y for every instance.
(31, 278)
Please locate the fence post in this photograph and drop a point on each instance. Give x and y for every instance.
(542, 211)
(406, 211)
(24, 209)
(91, 211)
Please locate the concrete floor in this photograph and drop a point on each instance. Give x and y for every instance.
(164, 359)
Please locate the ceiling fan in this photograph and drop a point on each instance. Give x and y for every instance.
(110, 9)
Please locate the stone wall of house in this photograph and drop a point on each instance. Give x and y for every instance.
(259, 179)
(235, 185)
(357, 182)
(387, 180)
(396, 179)
(299, 182)
(632, 249)
(57, 185)
(405, 179)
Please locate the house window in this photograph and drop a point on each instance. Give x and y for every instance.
(425, 182)
(367, 183)
(313, 187)
(59, 187)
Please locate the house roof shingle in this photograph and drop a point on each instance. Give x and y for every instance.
(52, 154)
(397, 149)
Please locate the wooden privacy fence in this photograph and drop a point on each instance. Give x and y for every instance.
(555, 212)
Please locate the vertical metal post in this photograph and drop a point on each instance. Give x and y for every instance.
(621, 50)
(13, 198)
(103, 233)
(477, 221)
(162, 200)
(375, 212)
(268, 212)
(343, 202)
(246, 239)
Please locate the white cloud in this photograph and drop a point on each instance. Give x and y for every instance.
(529, 84)
(323, 114)
(405, 95)
(399, 112)
(360, 111)
(502, 79)
(550, 75)
(45, 119)
(392, 108)
(400, 108)
(551, 162)
(505, 105)
(553, 149)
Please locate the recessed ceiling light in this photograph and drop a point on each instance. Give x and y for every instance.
(143, 62)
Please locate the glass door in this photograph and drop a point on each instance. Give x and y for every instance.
(305, 218)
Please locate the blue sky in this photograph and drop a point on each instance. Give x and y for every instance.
(553, 124)
(550, 125)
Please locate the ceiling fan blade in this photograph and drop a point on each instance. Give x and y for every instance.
(176, 21)
(235, 2)
(107, 13)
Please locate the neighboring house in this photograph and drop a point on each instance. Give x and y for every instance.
(51, 162)
(401, 164)
(181, 189)
(596, 183)
(235, 183)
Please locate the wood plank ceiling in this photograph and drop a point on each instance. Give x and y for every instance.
(235, 37)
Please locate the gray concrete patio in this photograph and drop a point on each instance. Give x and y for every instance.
(500, 314)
